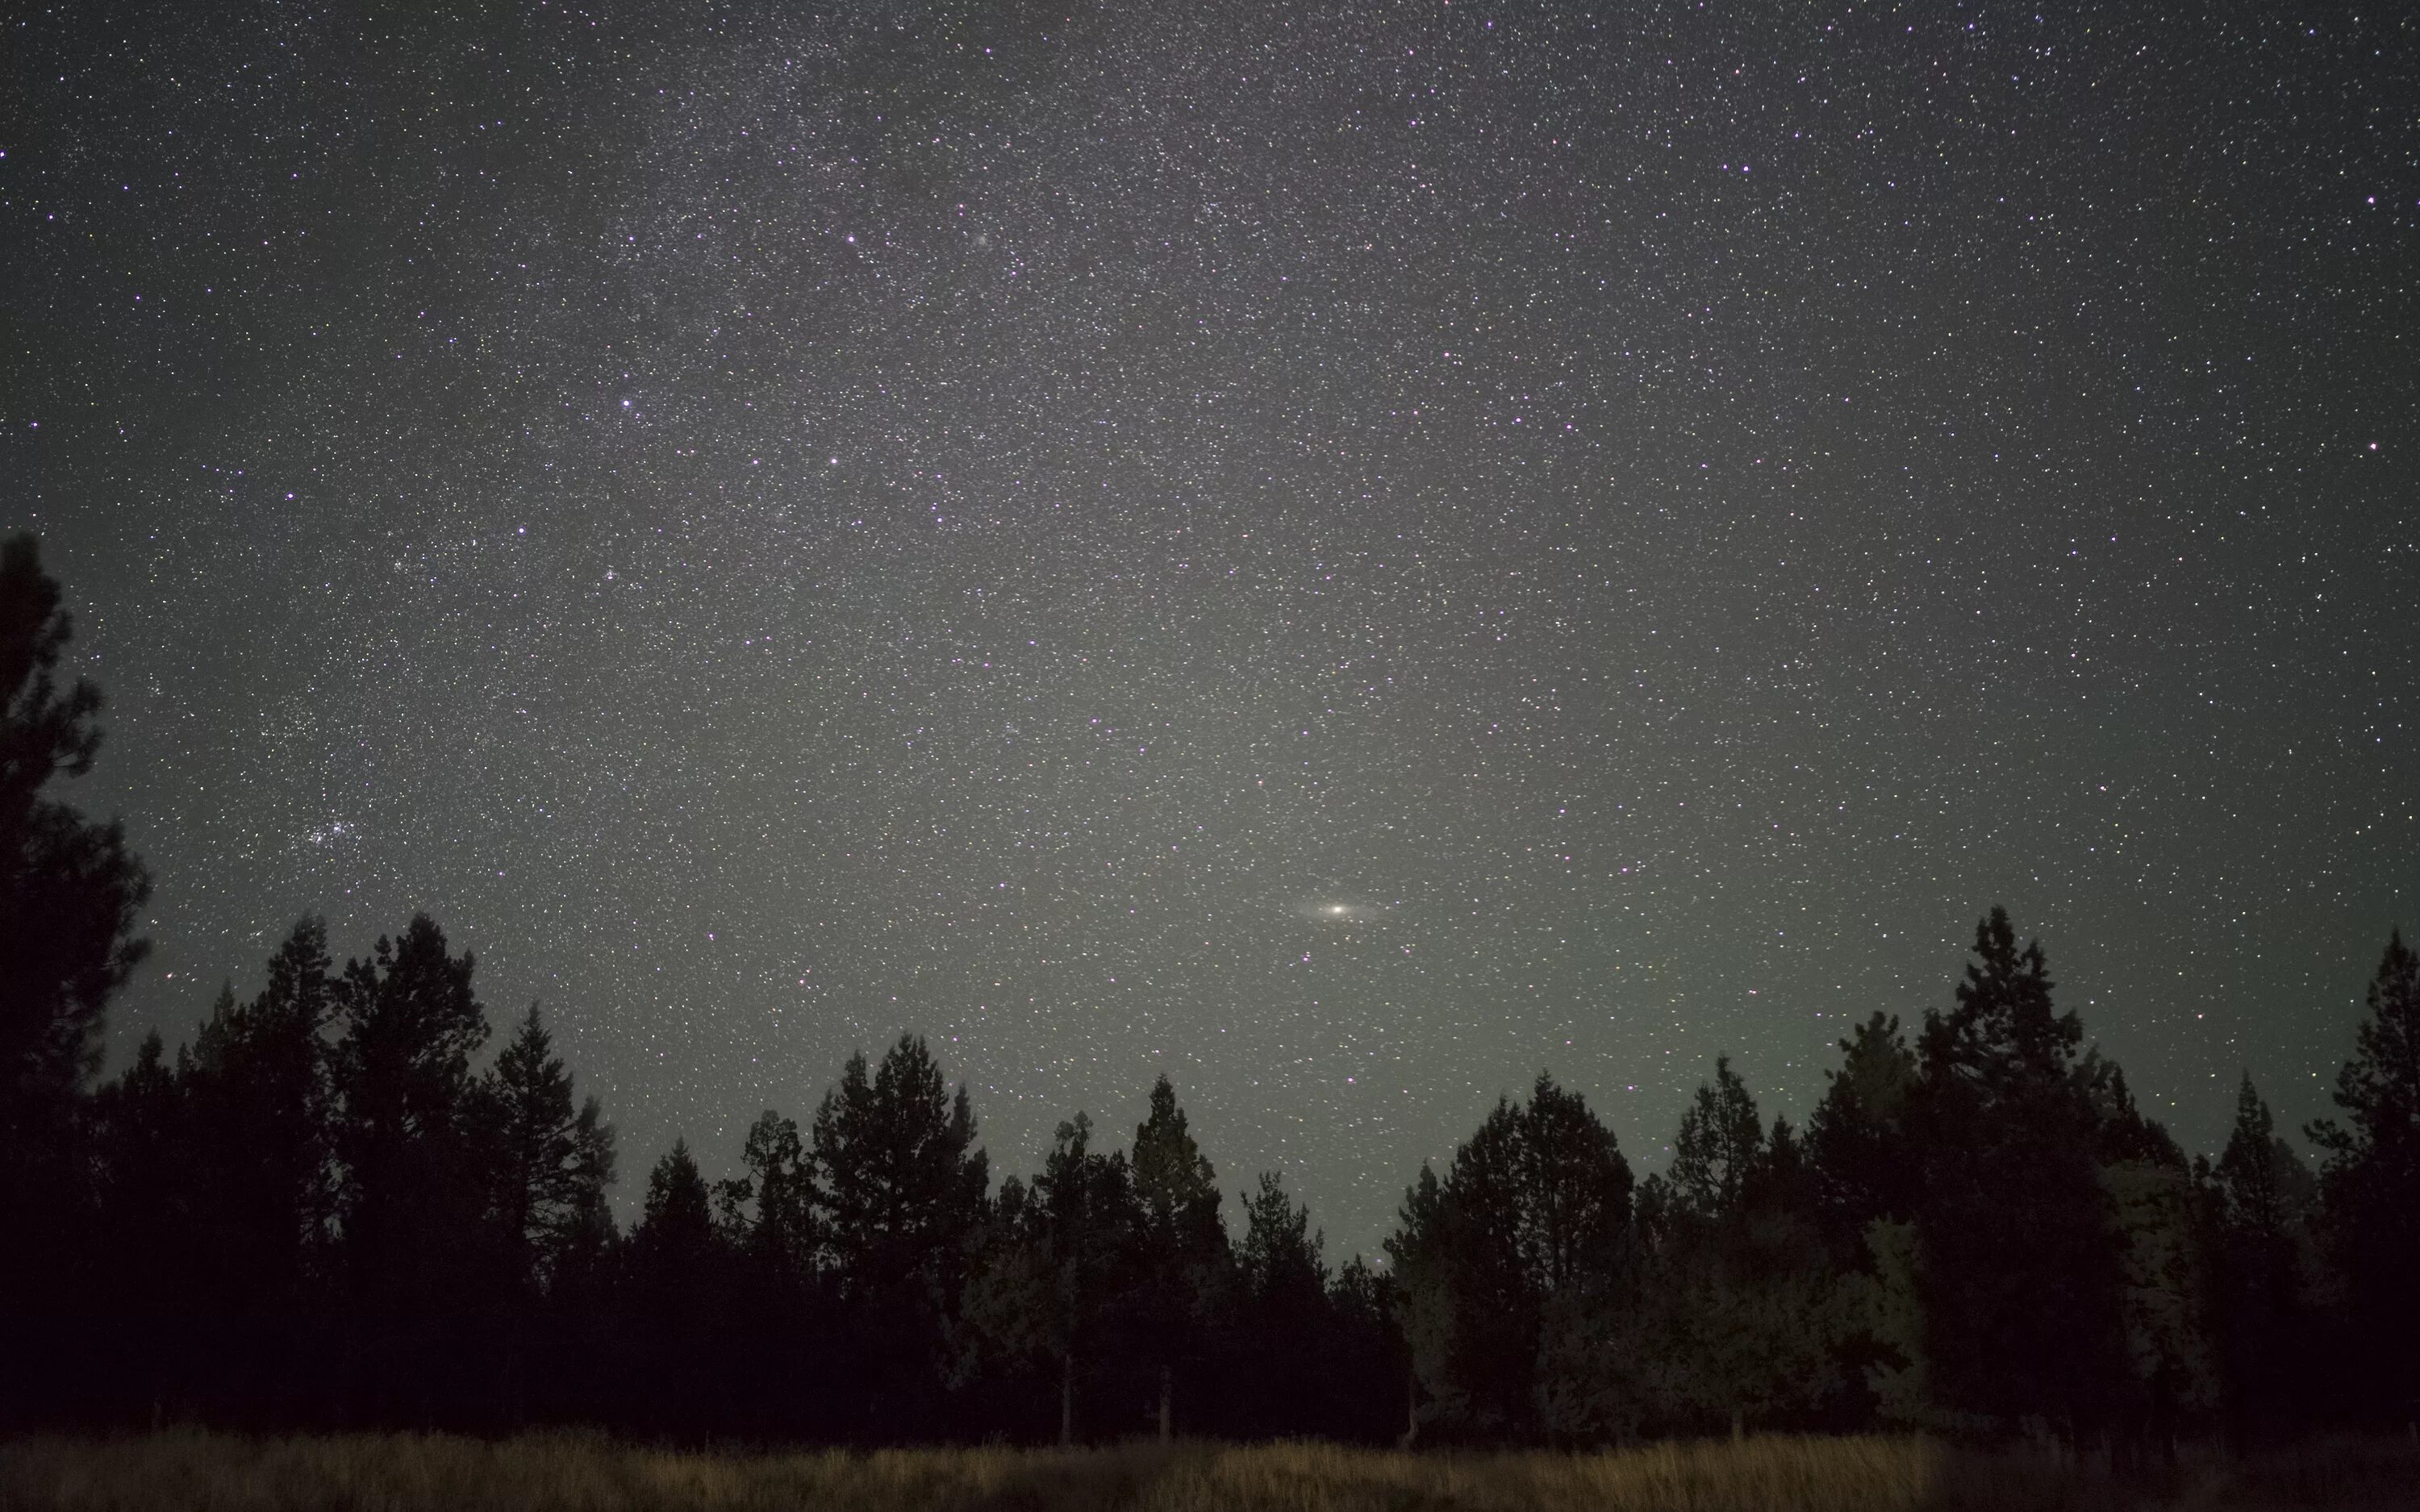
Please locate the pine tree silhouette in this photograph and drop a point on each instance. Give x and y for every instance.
(411, 1194)
(673, 1300)
(70, 894)
(258, 1091)
(2023, 1287)
(900, 1189)
(1858, 1138)
(1534, 1210)
(144, 1183)
(1282, 1325)
(547, 1165)
(2369, 1182)
(1719, 1145)
(2265, 1198)
(1184, 1260)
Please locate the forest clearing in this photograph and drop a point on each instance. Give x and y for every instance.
(589, 1472)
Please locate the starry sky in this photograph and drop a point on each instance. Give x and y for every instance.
(1346, 553)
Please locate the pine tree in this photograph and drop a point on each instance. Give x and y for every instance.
(1575, 1189)
(1014, 1317)
(779, 1364)
(1484, 1386)
(1282, 1312)
(770, 1213)
(901, 1179)
(69, 889)
(676, 1232)
(547, 1166)
(1184, 1254)
(1720, 1144)
(677, 1266)
(2369, 1182)
(411, 1194)
(1420, 1253)
(1533, 1213)
(258, 1093)
(1082, 1219)
(2265, 1197)
(2164, 1262)
(1730, 1314)
(1369, 1366)
(402, 1068)
(1173, 1180)
(674, 1244)
(2020, 1264)
(69, 893)
(142, 1159)
(2268, 1189)
(1856, 1140)
(550, 1161)
(902, 1188)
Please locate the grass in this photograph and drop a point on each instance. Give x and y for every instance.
(586, 1472)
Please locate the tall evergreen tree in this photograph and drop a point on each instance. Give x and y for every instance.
(550, 1161)
(69, 892)
(1719, 1147)
(770, 1212)
(69, 889)
(1283, 1334)
(258, 1094)
(548, 1165)
(1081, 1223)
(141, 1161)
(2020, 1264)
(781, 1361)
(1727, 1313)
(2369, 1182)
(1459, 1250)
(2264, 1199)
(901, 1187)
(1864, 1166)
(1370, 1396)
(901, 1178)
(1434, 1306)
(1183, 1247)
(1574, 1188)
(411, 1194)
(677, 1275)
(2163, 1261)
(2268, 1189)
(674, 1241)
(1534, 1209)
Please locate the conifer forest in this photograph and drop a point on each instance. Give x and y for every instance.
(1252, 756)
(362, 1198)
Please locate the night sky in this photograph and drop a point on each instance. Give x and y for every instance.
(1344, 553)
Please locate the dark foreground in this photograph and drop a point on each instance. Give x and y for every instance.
(393, 1472)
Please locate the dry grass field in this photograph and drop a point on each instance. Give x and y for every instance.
(575, 1473)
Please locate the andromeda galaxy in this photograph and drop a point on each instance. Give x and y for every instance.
(1330, 909)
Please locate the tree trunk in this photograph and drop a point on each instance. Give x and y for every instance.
(1739, 1426)
(1167, 1403)
(1067, 1399)
(1411, 1409)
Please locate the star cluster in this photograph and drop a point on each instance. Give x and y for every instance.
(1345, 554)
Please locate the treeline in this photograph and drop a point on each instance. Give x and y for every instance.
(340, 1205)
(1977, 1231)
(323, 1211)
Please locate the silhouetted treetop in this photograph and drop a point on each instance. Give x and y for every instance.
(1719, 1145)
(70, 889)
